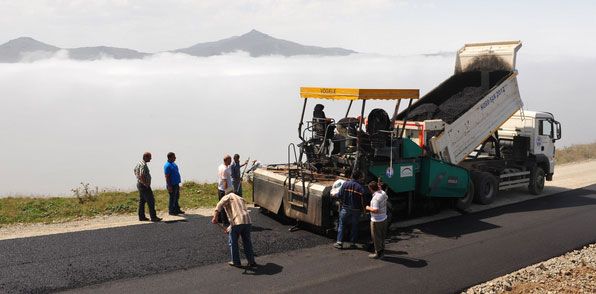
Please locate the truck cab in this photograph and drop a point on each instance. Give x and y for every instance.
(542, 131)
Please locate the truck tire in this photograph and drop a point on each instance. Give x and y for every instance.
(537, 178)
(462, 204)
(486, 187)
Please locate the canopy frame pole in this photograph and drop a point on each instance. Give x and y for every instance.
(349, 107)
(358, 136)
(395, 113)
(302, 120)
(401, 135)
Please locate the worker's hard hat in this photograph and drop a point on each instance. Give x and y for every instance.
(336, 186)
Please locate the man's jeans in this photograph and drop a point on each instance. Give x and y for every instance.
(237, 184)
(346, 216)
(146, 196)
(242, 231)
(173, 206)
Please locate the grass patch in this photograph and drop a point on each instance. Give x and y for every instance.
(58, 209)
(575, 153)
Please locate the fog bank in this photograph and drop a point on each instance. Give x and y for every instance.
(64, 122)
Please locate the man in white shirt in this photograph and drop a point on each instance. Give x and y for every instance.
(224, 183)
(378, 218)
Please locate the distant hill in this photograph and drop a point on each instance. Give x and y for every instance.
(13, 50)
(259, 44)
(93, 53)
(19, 49)
(254, 42)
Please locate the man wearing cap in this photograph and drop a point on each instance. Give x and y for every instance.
(351, 198)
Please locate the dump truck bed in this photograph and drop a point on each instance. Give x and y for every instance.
(474, 102)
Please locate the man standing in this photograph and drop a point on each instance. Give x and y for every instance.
(224, 183)
(173, 184)
(144, 186)
(240, 225)
(351, 198)
(235, 170)
(378, 218)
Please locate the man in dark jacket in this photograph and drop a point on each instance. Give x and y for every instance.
(351, 196)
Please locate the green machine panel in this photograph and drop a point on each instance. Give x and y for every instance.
(410, 149)
(403, 178)
(441, 179)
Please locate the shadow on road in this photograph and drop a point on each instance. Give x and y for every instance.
(453, 228)
(405, 261)
(259, 229)
(268, 269)
(175, 221)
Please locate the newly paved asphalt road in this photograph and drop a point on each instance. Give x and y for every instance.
(440, 257)
(70, 260)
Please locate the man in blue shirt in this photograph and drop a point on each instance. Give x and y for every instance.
(173, 184)
(351, 198)
(236, 176)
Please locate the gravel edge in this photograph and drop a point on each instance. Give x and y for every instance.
(573, 272)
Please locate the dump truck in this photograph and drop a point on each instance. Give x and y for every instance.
(464, 141)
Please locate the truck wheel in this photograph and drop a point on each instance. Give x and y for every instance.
(486, 187)
(462, 204)
(536, 181)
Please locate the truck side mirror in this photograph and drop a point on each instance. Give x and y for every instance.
(558, 128)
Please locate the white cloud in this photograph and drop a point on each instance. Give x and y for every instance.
(66, 121)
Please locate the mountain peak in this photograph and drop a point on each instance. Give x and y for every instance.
(258, 44)
(25, 41)
(255, 34)
(13, 50)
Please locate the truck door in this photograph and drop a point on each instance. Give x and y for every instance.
(545, 141)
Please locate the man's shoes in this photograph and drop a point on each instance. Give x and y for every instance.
(173, 213)
(181, 212)
(156, 219)
(377, 255)
(353, 246)
(231, 263)
(252, 264)
(143, 219)
(338, 245)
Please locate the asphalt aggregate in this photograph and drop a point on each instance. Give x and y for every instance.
(71, 260)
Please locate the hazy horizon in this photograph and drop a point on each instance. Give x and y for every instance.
(89, 121)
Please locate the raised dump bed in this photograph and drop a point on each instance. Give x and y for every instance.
(474, 102)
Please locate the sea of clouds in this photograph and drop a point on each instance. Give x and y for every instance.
(63, 122)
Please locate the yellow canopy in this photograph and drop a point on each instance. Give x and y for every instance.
(358, 94)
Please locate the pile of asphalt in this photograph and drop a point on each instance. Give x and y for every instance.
(487, 63)
(452, 108)
(56, 262)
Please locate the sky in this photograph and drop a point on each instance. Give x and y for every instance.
(391, 27)
(63, 122)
